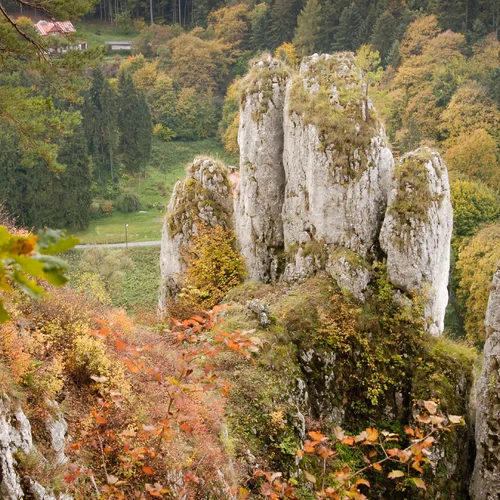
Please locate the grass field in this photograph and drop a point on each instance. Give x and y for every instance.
(167, 165)
(140, 285)
(96, 33)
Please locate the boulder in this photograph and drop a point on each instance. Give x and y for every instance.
(204, 197)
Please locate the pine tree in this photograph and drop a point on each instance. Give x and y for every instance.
(384, 34)
(134, 122)
(261, 27)
(306, 37)
(73, 190)
(101, 123)
(283, 21)
(346, 33)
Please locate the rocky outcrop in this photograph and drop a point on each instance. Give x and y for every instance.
(262, 178)
(485, 484)
(416, 233)
(315, 180)
(204, 197)
(337, 163)
(16, 440)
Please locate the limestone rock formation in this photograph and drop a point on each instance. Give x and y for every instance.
(485, 483)
(337, 163)
(204, 197)
(262, 178)
(316, 177)
(416, 233)
(16, 437)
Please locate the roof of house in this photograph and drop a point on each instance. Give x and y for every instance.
(48, 27)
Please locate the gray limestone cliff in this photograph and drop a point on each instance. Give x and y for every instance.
(416, 233)
(485, 483)
(337, 163)
(262, 177)
(318, 190)
(16, 442)
(204, 197)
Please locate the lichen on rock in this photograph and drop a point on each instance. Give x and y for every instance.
(204, 197)
(485, 483)
(416, 233)
(262, 178)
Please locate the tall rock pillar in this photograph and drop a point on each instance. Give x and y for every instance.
(485, 484)
(259, 227)
(416, 234)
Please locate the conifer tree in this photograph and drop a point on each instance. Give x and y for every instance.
(261, 27)
(346, 33)
(307, 33)
(134, 121)
(101, 122)
(384, 34)
(73, 189)
(283, 21)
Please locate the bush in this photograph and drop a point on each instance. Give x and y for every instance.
(128, 202)
(107, 207)
(213, 266)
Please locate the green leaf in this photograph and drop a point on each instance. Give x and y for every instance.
(51, 242)
(4, 315)
(29, 287)
(30, 266)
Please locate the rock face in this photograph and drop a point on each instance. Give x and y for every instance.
(16, 437)
(318, 189)
(337, 165)
(485, 484)
(204, 197)
(416, 233)
(262, 177)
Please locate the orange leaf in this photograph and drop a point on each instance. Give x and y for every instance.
(317, 436)
(120, 345)
(186, 428)
(147, 470)
(363, 481)
(131, 366)
(100, 420)
(377, 466)
(69, 478)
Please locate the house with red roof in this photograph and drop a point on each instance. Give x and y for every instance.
(59, 29)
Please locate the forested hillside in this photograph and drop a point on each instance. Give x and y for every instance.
(300, 347)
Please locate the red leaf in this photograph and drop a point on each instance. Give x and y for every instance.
(69, 478)
(147, 470)
(120, 345)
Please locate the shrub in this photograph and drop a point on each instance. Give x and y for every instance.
(213, 266)
(128, 202)
(107, 207)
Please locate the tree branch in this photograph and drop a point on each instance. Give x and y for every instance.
(24, 35)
